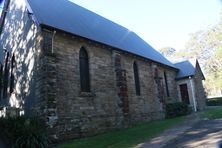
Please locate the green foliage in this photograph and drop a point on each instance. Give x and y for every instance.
(214, 73)
(206, 46)
(167, 51)
(214, 101)
(218, 53)
(177, 109)
(22, 132)
(125, 138)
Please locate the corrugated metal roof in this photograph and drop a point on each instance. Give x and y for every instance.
(69, 17)
(186, 69)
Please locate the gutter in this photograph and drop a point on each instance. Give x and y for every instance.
(53, 36)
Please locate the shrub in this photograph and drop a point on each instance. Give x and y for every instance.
(24, 132)
(177, 109)
(214, 101)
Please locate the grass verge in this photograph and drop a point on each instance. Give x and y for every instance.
(215, 113)
(125, 138)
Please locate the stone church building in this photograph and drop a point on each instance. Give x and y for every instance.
(85, 74)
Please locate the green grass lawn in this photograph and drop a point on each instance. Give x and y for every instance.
(215, 113)
(125, 138)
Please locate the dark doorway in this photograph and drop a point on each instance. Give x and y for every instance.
(184, 93)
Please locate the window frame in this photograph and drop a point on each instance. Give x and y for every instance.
(136, 78)
(12, 76)
(3, 14)
(6, 75)
(84, 70)
(166, 84)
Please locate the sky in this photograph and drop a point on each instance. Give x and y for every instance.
(1, 5)
(161, 23)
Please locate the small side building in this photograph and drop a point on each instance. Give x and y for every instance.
(189, 84)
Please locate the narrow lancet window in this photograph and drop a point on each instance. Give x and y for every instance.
(12, 77)
(166, 84)
(6, 75)
(84, 70)
(136, 78)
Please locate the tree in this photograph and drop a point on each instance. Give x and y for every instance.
(206, 46)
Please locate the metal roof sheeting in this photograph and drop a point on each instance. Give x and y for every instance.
(69, 17)
(186, 69)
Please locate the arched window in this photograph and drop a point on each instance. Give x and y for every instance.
(166, 83)
(6, 75)
(136, 78)
(84, 70)
(4, 4)
(12, 77)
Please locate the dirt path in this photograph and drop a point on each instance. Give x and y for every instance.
(205, 134)
(171, 134)
(193, 133)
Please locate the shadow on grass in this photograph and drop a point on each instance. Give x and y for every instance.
(125, 138)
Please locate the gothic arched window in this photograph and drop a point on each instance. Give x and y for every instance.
(166, 83)
(136, 78)
(12, 77)
(4, 4)
(6, 75)
(84, 70)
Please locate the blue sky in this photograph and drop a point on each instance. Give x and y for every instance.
(161, 23)
(1, 5)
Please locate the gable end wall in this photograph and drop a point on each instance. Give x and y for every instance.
(199, 89)
(21, 37)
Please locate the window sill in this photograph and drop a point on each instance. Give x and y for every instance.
(87, 94)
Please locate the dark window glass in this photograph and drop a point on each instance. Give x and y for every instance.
(167, 89)
(12, 77)
(136, 78)
(6, 75)
(84, 70)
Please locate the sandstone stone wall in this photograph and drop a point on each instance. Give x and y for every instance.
(20, 37)
(172, 87)
(107, 106)
(199, 89)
